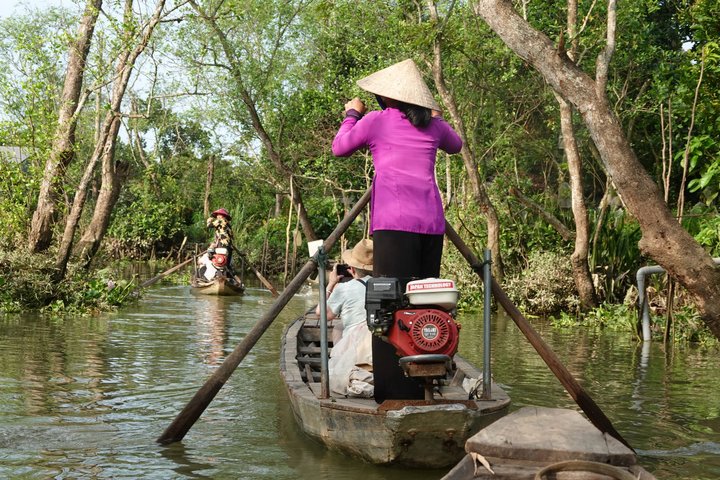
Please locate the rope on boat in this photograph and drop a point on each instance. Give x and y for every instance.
(585, 466)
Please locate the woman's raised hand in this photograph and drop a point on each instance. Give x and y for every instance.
(355, 104)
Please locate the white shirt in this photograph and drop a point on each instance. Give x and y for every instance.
(347, 301)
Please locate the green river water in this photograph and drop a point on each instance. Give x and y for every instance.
(87, 397)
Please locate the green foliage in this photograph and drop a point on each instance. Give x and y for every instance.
(470, 285)
(546, 286)
(703, 223)
(616, 255)
(31, 77)
(687, 326)
(18, 188)
(610, 316)
(26, 283)
(140, 226)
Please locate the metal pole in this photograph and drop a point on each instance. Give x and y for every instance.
(324, 377)
(644, 309)
(487, 280)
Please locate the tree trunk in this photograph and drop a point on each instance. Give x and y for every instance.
(208, 185)
(73, 219)
(112, 173)
(579, 257)
(63, 147)
(562, 230)
(471, 167)
(663, 238)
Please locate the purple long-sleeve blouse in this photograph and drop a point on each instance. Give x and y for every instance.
(405, 195)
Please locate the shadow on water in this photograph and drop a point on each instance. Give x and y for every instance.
(87, 397)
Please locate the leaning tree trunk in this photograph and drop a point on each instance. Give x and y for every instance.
(663, 238)
(63, 146)
(113, 175)
(112, 172)
(73, 219)
(471, 167)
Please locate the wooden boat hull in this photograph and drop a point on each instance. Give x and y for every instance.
(416, 433)
(217, 286)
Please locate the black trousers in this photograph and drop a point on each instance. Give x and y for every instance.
(406, 256)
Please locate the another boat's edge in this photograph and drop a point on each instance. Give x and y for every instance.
(544, 441)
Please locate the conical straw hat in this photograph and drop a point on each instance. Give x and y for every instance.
(402, 81)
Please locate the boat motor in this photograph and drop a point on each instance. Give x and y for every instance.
(219, 257)
(420, 321)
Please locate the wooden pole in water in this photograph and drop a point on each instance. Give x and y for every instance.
(147, 283)
(197, 405)
(581, 397)
(259, 275)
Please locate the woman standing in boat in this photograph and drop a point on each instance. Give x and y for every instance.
(407, 218)
(219, 220)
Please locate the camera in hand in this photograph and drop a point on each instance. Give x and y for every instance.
(342, 270)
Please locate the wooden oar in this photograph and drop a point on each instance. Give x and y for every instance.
(147, 283)
(197, 405)
(259, 275)
(581, 397)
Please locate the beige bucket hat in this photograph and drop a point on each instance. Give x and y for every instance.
(402, 81)
(361, 255)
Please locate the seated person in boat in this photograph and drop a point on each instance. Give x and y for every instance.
(350, 362)
(220, 221)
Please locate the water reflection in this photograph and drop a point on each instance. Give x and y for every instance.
(211, 320)
(186, 467)
(87, 397)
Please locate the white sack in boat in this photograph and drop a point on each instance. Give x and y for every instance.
(350, 360)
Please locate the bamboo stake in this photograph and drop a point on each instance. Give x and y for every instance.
(174, 269)
(581, 397)
(259, 275)
(197, 405)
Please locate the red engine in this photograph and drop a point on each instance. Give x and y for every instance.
(419, 331)
(219, 260)
(220, 257)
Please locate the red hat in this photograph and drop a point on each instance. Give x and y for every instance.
(221, 211)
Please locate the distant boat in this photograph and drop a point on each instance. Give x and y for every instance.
(220, 285)
(416, 433)
(214, 276)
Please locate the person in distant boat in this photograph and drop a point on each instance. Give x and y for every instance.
(407, 220)
(351, 358)
(219, 220)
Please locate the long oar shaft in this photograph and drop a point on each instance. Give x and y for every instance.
(197, 405)
(259, 275)
(581, 397)
(174, 269)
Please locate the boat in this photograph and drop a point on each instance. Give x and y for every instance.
(220, 285)
(539, 443)
(428, 433)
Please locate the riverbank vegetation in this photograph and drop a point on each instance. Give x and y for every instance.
(589, 152)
